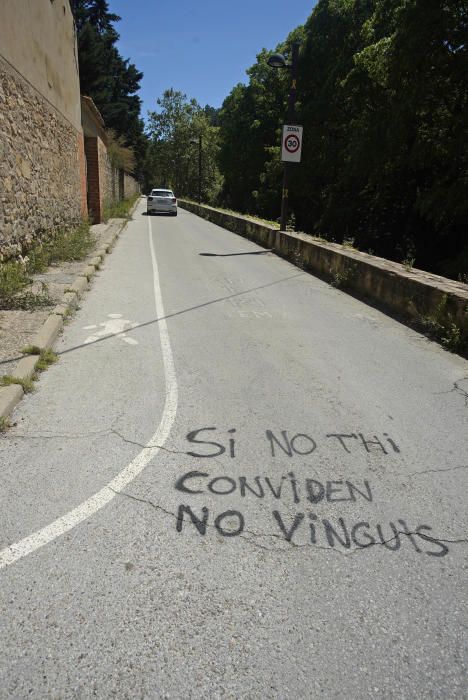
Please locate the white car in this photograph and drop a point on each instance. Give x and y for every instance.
(162, 201)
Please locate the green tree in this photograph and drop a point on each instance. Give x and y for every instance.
(111, 80)
(174, 131)
(250, 121)
(383, 98)
(416, 60)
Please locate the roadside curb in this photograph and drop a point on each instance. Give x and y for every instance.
(10, 396)
(45, 338)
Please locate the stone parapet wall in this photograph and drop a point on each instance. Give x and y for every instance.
(414, 294)
(41, 160)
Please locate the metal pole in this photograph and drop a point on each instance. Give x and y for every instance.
(291, 120)
(199, 167)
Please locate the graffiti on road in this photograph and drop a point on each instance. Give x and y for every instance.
(287, 490)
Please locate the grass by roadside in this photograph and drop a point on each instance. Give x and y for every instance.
(45, 358)
(256, 219)
(15, 275)
(27, 384)
(119, 210)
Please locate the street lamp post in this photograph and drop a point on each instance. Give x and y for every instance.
(199, 141)
(277, 60)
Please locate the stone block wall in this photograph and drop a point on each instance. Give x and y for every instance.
(41, 166)
(93, 179)
(131, 186)
(106, 174)
(83, 183)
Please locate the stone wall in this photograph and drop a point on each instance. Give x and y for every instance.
(106, 174)
(41, 166)
(131, 186)
(107, 184)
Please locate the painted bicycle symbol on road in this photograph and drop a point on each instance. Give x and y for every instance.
(115, 326)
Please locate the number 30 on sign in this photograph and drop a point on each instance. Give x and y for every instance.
(291, 144)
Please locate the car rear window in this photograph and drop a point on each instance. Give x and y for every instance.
(162, 193)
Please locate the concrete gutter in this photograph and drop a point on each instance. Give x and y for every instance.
(45, 338)
(436, 303)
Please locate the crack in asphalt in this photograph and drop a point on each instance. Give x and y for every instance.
(113, 431)
(104, 431)
(161, 447)
(435, 471)
(457, 389)
(460, 390)
(54, 436)
(156, 506)
(294, 545)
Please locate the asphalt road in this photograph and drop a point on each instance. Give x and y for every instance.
(237, 482)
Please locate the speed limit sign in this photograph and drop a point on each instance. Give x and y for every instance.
(292, 143)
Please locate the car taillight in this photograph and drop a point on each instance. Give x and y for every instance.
(174, 200)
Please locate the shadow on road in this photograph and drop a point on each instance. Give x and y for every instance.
(157, 213)
(176, 313)
(229, 255)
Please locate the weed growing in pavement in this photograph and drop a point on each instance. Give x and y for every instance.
(26, 300)
(71, 245)
(408, 264)
(348, 243)
(440, 326)
(31, 350)
(291, 225)
(452, 338)
(27, 384)
(4, 424)
(341, 279)
(13, 278)
(255, 219)
(46, 358)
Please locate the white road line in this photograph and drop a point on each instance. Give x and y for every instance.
(100, 499)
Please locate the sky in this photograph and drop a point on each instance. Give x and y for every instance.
(200, 47)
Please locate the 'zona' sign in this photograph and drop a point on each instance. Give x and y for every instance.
(291, 144)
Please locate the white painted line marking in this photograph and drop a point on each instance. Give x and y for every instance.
(100, 499)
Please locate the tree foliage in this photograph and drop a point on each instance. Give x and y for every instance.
(120, 155)
(175, 129)
(107, 77)
(383, 98)
(250, 121)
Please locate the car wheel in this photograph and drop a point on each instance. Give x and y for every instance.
(174, 213)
